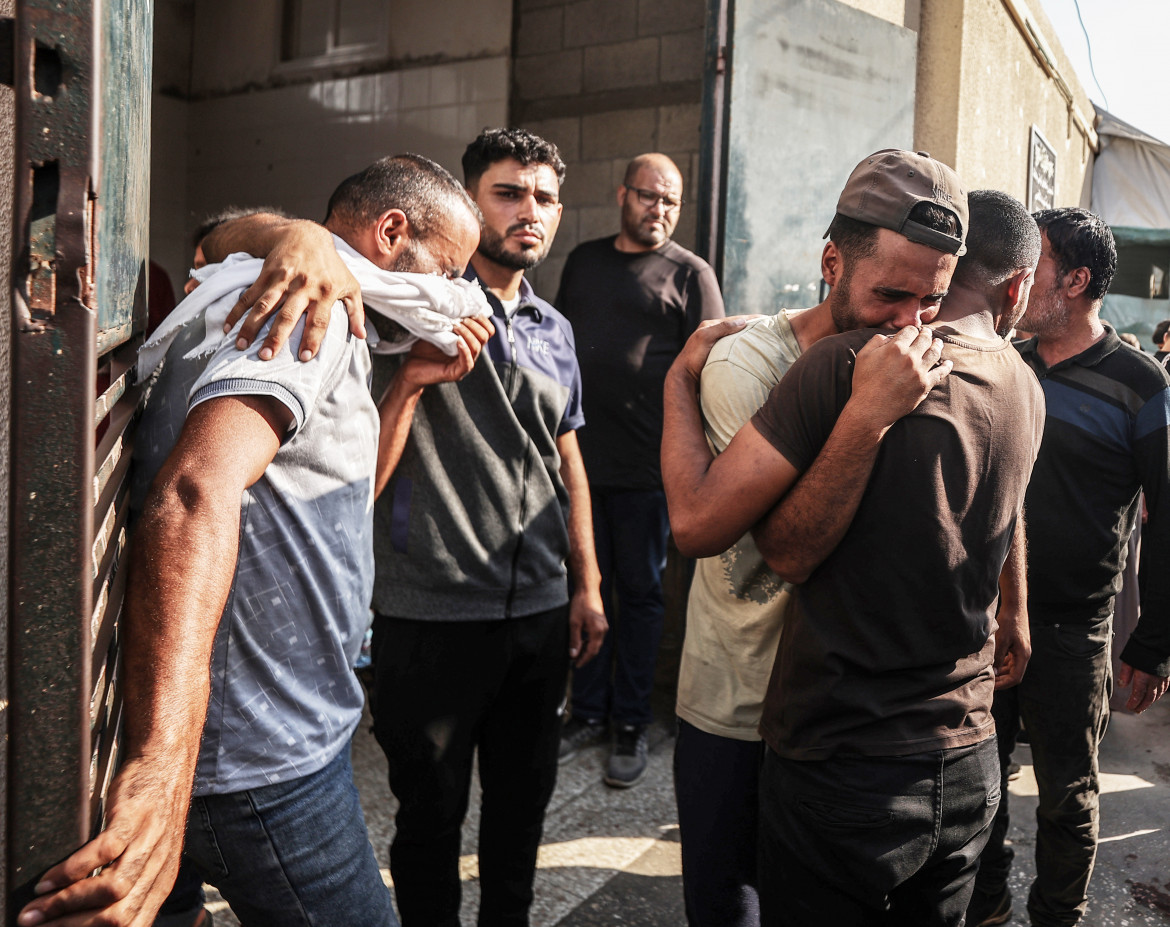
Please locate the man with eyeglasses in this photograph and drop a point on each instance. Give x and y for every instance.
(633, 299)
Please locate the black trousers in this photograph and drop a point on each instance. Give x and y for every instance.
(716, 785)
(855, 841)
(1063, 701)
(443, 691)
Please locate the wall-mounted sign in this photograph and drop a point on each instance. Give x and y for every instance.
(1041, 173)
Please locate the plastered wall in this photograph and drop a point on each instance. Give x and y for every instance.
(981, 88)
(233, 126)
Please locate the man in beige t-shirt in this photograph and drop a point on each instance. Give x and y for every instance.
(734, 615)
(736, 601)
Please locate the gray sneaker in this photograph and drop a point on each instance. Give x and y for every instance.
(577, 735)
(627, 763)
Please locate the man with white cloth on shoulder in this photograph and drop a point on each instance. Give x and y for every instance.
(253, 556)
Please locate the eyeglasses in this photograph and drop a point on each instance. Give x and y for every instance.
(651, 198)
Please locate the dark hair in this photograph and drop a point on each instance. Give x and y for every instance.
(856, 239)
(1003, 238)
(425, 191)
(230, 214)
(1079, 238)
(1160, 333)
(494, 145)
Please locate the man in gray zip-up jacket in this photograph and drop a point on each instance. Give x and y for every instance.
(475, 624)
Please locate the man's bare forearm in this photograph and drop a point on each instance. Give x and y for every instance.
(396, 415)
(256, 235)
(686, 456)
(1013, 578)
(808, 523)
(184, 557)
(587, 622)
(1013, 638)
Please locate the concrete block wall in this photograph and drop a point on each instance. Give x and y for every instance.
(607, 80)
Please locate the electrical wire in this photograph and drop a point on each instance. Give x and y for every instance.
(1089, 46)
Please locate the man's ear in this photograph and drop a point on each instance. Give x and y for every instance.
(1015, 299)
(392, 232)
(832, 264)
(1076, 281)
(1018, 285)
(621, 195)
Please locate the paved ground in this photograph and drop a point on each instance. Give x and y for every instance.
(612, 857)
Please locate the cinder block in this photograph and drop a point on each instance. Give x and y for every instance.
(617, 169)
(589, 184)
(678, 128)
(598, 22)
(660, 17)
(524, 5)
(564, 133)
(683, 160)
(625, 64)
(681, 57)
(550, 75)
(598, 222)
(685, 233)
(540, 31)
(567, 234)
(619, 134)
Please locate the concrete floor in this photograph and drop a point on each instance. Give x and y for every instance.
(612, 857)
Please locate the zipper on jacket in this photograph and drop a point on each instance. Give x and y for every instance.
(520, 531)
(512, 348)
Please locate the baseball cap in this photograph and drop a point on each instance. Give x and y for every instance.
(886, 186)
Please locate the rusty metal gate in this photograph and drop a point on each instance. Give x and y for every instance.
(79, 251)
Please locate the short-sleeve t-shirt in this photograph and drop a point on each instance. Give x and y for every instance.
(284, 698)
(736, 604)
(887, 648)
(631, 314)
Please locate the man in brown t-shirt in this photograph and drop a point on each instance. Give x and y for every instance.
(880, 780)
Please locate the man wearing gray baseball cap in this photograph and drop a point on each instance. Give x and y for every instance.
(901, 483)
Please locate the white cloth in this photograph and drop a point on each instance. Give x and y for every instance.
(426, 306)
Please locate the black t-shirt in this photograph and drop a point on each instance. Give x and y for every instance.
(886, 647)
(631, 315)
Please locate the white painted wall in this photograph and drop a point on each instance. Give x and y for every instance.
(244, 129)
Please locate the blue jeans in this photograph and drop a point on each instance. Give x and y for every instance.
(716, 785)
(861, 840)
(295, 854)
(630, 529)
(1063, 701)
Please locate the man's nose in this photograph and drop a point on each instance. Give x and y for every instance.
(527, 211)
(915, 314)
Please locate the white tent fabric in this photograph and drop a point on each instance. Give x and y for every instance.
(1131, 190)
(1131, 176)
